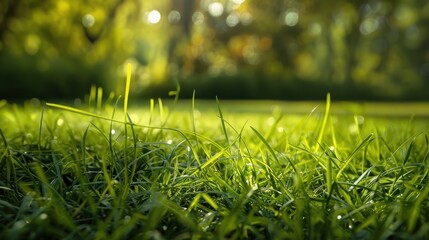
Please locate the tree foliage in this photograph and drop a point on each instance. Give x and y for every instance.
(204, 44)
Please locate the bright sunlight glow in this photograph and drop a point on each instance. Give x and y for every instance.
(153, 17)
(216, 9)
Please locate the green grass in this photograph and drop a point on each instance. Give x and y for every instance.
(176, 171)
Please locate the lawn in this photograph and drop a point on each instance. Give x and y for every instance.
(214, 170)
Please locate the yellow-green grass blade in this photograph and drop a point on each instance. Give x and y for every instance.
(325, 121)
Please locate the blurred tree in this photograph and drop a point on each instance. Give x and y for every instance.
(337, 44)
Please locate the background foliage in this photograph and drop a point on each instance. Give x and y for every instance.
(277, 49)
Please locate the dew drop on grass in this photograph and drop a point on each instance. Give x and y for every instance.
(113, 131)
(43, 216)
(170, 142)
(60, 122)
(19, 224)
(164, 228)
(339, 217)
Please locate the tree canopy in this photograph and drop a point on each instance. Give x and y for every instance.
(233, 48)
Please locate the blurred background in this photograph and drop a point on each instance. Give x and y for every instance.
(233, 49)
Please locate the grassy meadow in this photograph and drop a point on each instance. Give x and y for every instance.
(213, 170)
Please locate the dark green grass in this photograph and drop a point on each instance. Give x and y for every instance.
(189, 173)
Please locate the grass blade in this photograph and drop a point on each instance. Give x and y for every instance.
(75, 110)
(127, 91)
(222, 121)
(364, 143)
(325, 120)
(270, 149)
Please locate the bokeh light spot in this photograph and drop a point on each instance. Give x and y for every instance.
(153, 17)
(198, 18)
(238, 1)
(88, 20)
(32, 44)
(232, 20)
(368, 26)
(291, 17)
(60, 122)
(43, 216)
(405, 16)
(234, 4)
(246, 18)
(174, 16)
(215, 9)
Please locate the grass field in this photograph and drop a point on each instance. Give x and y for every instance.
(214, 170)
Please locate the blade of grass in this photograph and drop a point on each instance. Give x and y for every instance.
(127, 93)
(427, 149)
(364, 143)
(329, 177)
(357, 123)
(133, 132)
(111, 130)
(181, 132)
(10, 168)
(416, 208)
(92, 98)
(210, 201)
(75, 110)
(151, 114)
(193, 203)
(270, 149)
(99, 98)
(212, 159)
(161, 110)
(334, 138)
(39, 140)
(325, 120)
(193, 114)
(222, 121)
(273, 178)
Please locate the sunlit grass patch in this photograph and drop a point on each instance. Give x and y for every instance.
(157, 172)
